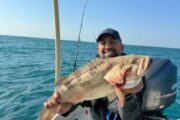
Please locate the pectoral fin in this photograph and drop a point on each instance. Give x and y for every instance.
(121, 96)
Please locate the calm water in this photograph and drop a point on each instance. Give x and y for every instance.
(27, 72)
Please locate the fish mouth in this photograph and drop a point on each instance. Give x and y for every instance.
(124, 78)
(133, 82)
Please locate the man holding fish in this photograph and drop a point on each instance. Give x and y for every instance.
(107, 108)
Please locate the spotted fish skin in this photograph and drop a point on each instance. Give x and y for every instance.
(102, 77)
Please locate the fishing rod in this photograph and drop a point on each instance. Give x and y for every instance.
(79, 36)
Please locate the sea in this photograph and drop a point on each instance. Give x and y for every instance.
(27, 72)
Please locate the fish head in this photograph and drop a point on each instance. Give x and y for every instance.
(129, 71)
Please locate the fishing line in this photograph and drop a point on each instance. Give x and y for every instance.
(79, 36)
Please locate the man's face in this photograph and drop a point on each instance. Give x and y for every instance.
(109, 47)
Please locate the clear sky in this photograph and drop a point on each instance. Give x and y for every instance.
(139, 22)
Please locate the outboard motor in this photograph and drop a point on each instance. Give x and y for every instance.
(160, 85)
(159, 92)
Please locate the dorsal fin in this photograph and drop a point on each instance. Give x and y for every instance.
(61, 81)
(93, 64)
(87, 67)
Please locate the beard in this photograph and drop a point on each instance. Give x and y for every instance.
(110, 53)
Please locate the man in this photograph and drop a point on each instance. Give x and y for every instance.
(109, 45)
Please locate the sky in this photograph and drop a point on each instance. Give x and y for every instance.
(139, 22)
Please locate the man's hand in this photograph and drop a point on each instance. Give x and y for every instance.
(54, 104)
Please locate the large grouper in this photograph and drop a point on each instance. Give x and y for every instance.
(100, 78)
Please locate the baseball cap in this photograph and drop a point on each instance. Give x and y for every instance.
(109, 31)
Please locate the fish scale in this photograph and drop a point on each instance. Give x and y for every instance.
(96, 74)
